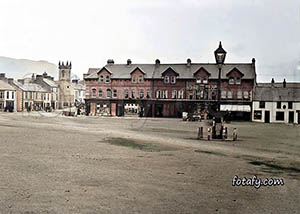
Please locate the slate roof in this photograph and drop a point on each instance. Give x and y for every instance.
(51, 83)
(122, 71)
(5, 86)
(30, 87)
(276, 93)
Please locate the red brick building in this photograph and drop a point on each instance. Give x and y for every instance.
(169, 89)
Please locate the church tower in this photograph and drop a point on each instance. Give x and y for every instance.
(64, 71)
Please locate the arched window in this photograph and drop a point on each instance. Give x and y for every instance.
(100, 93)
(174, 94)
(133, 93)
(94, 92)
(239, 95)
(141, 94)
(108, 93)
(229, 94)
(158, 94)
(126, 94)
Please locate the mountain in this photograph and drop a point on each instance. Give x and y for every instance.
(20, 68)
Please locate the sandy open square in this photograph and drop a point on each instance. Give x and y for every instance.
(55, 164)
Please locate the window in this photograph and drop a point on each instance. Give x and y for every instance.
(62, 73)
(166, 79)
(180, 94)
(238, 81)
(174, 94)
(198, 81)
(126, 94)
(1, 95)
(262, 104)
(246, 94)
(231, 81)
(108, 93)
(148, 94)
(141, 78)
(257, 115)
(279, 105)
(133, 79)
(165, 94)
(280, 116)
(290, 105)
(133, 93)
(223, 94)
(229, 94)
(239, 95)
(115, 93)
(100, 93)
(7, 95)
(101, 79)
(173, 79)
(158, 94)
(142, 94)
(205, 81)
(94, 92)
(107, 79)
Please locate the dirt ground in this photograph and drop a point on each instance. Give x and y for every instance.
(55, 164)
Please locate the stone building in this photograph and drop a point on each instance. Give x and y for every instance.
(167, 90)
(276, 103)
(66, 88)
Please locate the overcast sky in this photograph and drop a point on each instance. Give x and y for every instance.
(90, 32)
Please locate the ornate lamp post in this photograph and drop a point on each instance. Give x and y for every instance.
(220, 55)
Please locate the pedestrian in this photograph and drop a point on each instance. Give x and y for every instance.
(234, 134)
(224, 133)
(208, 133)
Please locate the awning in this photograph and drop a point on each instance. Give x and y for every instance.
(241, 108)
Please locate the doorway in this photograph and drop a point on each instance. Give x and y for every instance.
(267, 116)
(291, 117)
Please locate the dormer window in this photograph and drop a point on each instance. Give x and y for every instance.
(166, 79)
(101, 79)
(107, 79)
(133, 79)
(141, 79)
(238, 81)
(173, 79)
(205, 81)
(231, 80)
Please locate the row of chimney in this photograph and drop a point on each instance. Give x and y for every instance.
(157, 62)
(283, 83)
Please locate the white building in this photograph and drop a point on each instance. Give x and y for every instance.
(276, 103)
(7, 96)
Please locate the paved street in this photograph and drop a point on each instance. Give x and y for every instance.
(55, 164)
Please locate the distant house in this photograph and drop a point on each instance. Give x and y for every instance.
(7, 95)
(31, 96)
(276, 103)
(49, 84)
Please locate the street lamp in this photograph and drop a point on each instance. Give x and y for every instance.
(220, 55)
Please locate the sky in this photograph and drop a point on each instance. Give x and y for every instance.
(91, 31)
